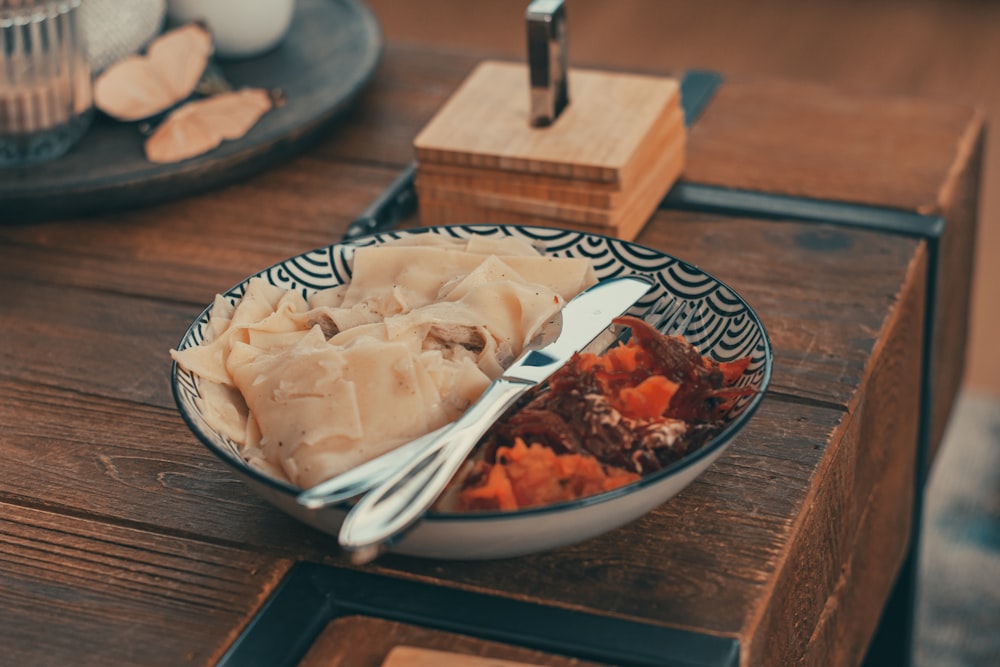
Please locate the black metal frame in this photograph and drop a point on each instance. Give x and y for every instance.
(312, 595)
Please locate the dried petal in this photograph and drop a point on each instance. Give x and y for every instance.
(199, 126)
(141, 86)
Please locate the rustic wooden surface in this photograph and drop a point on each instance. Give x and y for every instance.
(120, 529)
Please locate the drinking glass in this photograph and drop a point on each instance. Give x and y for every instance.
(46, 102)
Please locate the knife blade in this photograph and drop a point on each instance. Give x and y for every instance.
(394, 506)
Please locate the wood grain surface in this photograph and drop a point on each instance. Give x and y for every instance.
(484, 123)
(636, 145)
(788, 543)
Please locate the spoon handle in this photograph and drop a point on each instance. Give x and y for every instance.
(388, 510)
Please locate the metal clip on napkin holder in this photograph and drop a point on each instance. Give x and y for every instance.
(599, 164)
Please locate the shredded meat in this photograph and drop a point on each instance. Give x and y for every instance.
(632, 411)
(329, 328)
(446, 335)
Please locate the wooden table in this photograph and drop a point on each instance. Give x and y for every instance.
(126, 542)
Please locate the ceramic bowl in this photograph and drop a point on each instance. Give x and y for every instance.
(725, 327)
(240, 29)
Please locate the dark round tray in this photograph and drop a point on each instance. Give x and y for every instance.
(329, 54)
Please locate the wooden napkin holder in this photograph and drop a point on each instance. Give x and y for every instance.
(603, 166)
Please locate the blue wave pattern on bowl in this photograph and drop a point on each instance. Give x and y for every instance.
(723, 326)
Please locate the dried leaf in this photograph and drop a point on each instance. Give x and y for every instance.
(141, 86)
(201, 125)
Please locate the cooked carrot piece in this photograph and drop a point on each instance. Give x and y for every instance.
(649, 399)
(622, 358)
(733, 370)
(528, 476)
(650, 378)
(587, 360)
(496, 493)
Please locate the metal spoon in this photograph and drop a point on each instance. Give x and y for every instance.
(368, 475)
(386, 512)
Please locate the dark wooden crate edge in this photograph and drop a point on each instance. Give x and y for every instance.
(311, 595)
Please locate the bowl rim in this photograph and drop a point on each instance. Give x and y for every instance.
(719, 441)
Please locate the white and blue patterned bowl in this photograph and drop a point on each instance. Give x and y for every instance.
(724, 327)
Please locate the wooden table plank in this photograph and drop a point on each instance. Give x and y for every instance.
(83, 592)
(409, 87)
(193, 248)
(820, 143)
(789, 542)
(719, 549)
(823, 330)
(128, 463)
(855, 534)
(958, 205)
(923, 156)
(814, 302)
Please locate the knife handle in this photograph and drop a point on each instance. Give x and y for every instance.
(387, 511)
(547, 71)
(397, 201)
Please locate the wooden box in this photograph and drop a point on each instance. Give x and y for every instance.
(603, 166)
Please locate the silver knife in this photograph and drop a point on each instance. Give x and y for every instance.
(391, 508)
